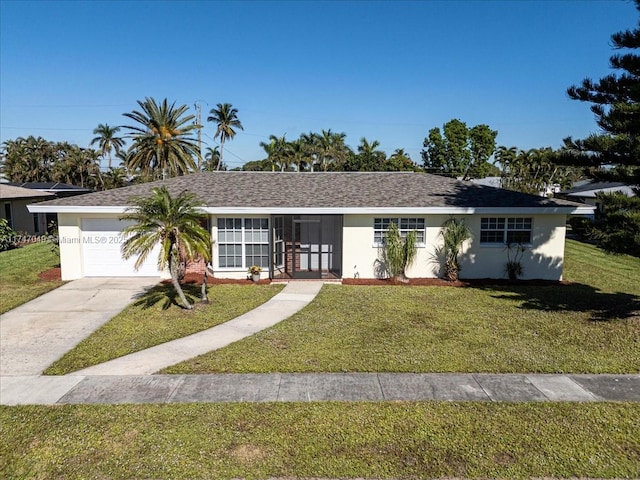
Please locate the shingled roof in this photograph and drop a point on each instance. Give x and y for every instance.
(342, 192)
(11, 192)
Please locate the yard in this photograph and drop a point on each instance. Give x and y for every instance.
(19, 269)
(590, 325)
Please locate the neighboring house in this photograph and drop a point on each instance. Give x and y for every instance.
(60, 190)
(55, 189)
(14, 202)
(585, 192)
(324, 225)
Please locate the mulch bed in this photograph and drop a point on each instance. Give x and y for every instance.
(439, 282)
(50, 275)
(196, 279)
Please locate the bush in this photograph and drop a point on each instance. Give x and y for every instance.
(580, 225)
(617, 225)
(7, 235)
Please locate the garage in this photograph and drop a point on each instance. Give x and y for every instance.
(101, 257)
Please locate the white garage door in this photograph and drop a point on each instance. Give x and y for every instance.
(101, 256)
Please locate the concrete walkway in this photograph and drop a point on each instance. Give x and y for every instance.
(294, 297)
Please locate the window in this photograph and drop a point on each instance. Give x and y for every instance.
(505, 230)
(243, 242)
(405, 225)
(8, 214)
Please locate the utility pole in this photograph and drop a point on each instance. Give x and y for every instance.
(198, 122)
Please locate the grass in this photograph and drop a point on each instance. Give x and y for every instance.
(155, 318)
(591, 326)
(19, 269)
(368, 440)
(332, 440)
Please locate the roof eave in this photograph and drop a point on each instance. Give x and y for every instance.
(546, 210)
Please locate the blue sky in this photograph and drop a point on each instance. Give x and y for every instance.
(388, 71)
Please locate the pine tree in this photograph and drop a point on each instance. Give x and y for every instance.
(616, 105)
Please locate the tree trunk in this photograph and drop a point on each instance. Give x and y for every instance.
(176, 285)
(203, 290)
(220, 157)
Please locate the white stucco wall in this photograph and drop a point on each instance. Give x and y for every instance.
(70, 238)
(360, 255)
(544, 260)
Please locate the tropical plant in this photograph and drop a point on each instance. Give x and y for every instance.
(226, 119)
(368, 158)
(298, 154)
(211, 159)
(454, 233)
(399, 253)
(172, 222)
(107, 140)
(277, 150)
(114, 178)
(162, 145)
(514, 268)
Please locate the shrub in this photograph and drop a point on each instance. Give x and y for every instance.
(7, 235)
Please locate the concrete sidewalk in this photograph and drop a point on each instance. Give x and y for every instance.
(37, 333)
(303, 387)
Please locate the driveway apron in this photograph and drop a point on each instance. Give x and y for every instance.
(34, 335)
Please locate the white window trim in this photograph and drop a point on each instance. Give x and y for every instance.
(397, 221)
(243, 243)
(505, 231)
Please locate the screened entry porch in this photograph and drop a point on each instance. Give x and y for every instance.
(306, 246)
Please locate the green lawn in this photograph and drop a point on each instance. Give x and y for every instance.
(369, 440)
(327, 440)
(156, 318)
(19, 269)
(591, 326)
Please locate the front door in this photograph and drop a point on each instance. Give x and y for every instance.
(307, 239)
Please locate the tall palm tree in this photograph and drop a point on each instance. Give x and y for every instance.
(162, 145)
(226, 119)
(211, 159)
(172, 222)
(277, 150)
(107, 140)
(370, 159)
(312, 148)
(298, 153)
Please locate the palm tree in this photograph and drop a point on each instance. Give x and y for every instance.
(226, 119)
(277, 150)
(454, 233)
(298, 153)
(107, 140)
(399, 253)
(312, 148)
(370, 159)
(172, 222)
(212, 159)
(163, 145)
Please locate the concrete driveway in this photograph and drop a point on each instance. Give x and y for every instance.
(34, 335)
